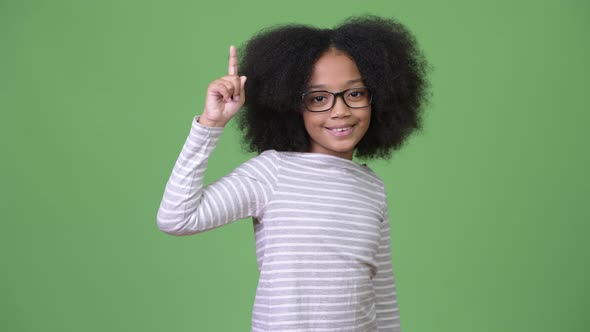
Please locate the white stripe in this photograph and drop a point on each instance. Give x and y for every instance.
(303, 279)
(305, 236)
(280, 228)
(312, 296)
(298, 305)
(312, 253)
(318, 246)
(329, 213)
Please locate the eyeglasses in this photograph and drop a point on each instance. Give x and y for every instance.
(321, 101)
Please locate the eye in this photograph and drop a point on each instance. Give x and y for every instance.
(317, 98)
(355, 94)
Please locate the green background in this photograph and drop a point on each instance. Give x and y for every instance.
(489, 203)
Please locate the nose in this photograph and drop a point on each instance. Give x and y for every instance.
(340, 109)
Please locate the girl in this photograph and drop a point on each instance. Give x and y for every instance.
(313, 99)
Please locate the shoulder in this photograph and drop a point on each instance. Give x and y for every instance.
(369, 171)
(264, 165)
(371, 177)
(270, 158)
(376, 182)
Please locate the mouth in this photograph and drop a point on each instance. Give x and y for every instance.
(341, 131)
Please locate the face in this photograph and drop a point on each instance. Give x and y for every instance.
(336, 131)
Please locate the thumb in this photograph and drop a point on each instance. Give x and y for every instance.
(242, 86)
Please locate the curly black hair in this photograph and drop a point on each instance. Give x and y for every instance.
(279, 60)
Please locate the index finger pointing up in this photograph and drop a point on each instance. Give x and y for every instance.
(233, 61)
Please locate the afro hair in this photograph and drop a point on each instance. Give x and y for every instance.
(279, 61)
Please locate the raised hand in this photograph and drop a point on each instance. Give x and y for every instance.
(225, 95)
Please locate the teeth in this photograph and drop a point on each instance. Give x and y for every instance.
(342, 129)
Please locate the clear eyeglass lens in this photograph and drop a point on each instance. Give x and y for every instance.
(318, 100)
(358, 97)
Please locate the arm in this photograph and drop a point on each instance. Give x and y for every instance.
(188, 208)
(384, 283)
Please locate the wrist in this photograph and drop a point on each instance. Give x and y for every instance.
(206, 122)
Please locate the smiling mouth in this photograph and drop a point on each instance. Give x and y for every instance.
(340, 131)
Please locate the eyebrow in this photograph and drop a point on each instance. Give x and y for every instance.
(323, 85)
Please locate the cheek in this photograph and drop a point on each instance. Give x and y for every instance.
(306, 122)
(366, 118)
(311, 122)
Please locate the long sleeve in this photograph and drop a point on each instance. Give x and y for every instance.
(384, 283)
(188, 208)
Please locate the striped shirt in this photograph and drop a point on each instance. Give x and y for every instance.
(321, 226)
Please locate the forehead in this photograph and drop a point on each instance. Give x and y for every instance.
(334, 69)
